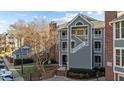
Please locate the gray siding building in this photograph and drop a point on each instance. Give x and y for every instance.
(81, 43)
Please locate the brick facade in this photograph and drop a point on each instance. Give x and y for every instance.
(53, 37)
(109, 16)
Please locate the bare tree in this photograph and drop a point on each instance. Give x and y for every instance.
(36, 35)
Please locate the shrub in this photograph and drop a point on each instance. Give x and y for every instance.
(25, 61)
(52, 61)
(81, 73)
(102, 69)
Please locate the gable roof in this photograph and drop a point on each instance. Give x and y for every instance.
(22, 49)
(98, 24)
(95, 23)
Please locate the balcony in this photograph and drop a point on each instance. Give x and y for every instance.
(97, 36)
(97, 65)
(64, 49)
(63, 36)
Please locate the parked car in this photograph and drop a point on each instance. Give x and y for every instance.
(1, 60)
(4, 72)
(6, 77)
(2, 65)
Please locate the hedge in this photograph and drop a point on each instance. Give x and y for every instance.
(25, 61)
(78, 73)
(102, 69)
(81, 73)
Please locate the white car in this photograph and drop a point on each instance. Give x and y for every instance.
(6, 75)
(1, 79)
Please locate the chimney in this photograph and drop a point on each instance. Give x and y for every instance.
(109, 16)
(53, 26)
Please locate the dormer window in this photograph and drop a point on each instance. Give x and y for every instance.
(79, 23)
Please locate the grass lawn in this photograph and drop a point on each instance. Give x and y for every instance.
(31, 68)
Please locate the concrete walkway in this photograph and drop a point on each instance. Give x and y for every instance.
(62, 78)
(10, 67)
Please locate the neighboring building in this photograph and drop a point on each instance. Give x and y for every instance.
(115, 67)
(22, 52)
(2, 43)
(53, 37)
(12, 41)
(81, 43)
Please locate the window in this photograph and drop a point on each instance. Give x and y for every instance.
(122, 57)
(73, 32)
(83, 30)
(97, 59)
(117, 29)
(97, 33)
(72, 44)
(64, 33)
(122, 29)
(97, 46)
(79, 23)
(64, 59)
(64, 45)
(121, 78)
(118, 57)
(79, 32)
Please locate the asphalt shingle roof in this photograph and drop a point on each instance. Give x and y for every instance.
(119, 18)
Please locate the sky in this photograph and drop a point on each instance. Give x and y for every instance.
(10, 17)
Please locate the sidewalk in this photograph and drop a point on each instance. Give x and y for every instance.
(10, 67)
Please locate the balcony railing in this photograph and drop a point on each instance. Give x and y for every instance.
(63, 36)
(97, 49)
(64, 49)
(97, 64)
(97, 36)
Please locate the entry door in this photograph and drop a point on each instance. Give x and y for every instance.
(64, 59)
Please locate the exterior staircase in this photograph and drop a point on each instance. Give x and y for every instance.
(61, 71)
(78, 47)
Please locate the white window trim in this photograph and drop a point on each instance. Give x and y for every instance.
(74, 42)
(62, 35)
(120, 49)
(101, 45)
(120, 30)
(120, 75)
(61, 58)
(100, 57)
(78, 22)
(68, 49)
(94, 35)
(62, 46)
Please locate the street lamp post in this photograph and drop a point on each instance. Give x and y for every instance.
(21, 56)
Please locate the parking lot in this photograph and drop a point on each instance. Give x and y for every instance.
(5, 74)
(8, 72)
